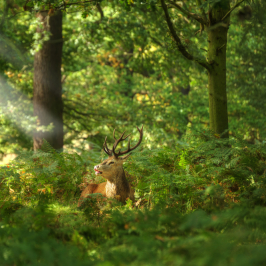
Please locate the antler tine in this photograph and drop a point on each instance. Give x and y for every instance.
(128, 146)
(106, 149)
(126, 136)
(117, 141)
(121, 137)
(114, 135)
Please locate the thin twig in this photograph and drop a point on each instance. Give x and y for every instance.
(64, 5)
(221, 47)
(231, 10)
(189, 14)
(78, 112)
(74, 3)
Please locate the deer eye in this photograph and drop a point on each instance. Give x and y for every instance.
(110, 163)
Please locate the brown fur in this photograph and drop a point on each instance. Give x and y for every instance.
(116, 186)
(112, 170)
(90, 189)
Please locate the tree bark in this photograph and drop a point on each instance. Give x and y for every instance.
(47, 88)
(217, 27)
(217, 42)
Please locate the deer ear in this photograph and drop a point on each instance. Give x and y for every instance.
(125, 157)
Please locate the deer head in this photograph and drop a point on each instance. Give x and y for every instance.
(112, 168)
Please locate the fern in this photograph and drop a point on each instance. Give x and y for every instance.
(203, 196)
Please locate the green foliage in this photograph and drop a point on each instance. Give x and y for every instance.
(207, 172)
(24, 247)
(45, 171)
(200, 203)
(200, 200)
(131, 60)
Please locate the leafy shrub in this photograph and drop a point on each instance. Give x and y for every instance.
(203, 172)
(44, 172)
(200, 203)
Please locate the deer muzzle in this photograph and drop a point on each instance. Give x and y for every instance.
(97, 172)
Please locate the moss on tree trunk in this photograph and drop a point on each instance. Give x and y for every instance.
(217, 42)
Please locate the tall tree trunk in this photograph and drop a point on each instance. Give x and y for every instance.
(217, 26)
(47, 88)
(217, 40)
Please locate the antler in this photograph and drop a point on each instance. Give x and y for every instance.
(106, 149)
(129, 149)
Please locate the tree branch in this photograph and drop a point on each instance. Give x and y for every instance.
(199, 3)
(100, 10)
(179, 44)
(64, 5)
(189, 14)
(74, 3)
(232, 9)
(93, 113)
(78, 112)
(75, 102)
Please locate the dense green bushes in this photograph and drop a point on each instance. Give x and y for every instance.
(149, 237)
(200, 203)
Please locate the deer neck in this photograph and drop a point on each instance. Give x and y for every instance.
(117, 185)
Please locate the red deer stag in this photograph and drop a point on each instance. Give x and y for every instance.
(112, 170)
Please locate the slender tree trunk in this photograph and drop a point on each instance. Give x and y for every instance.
(217, 39)
(217, 27)
(47, 88)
